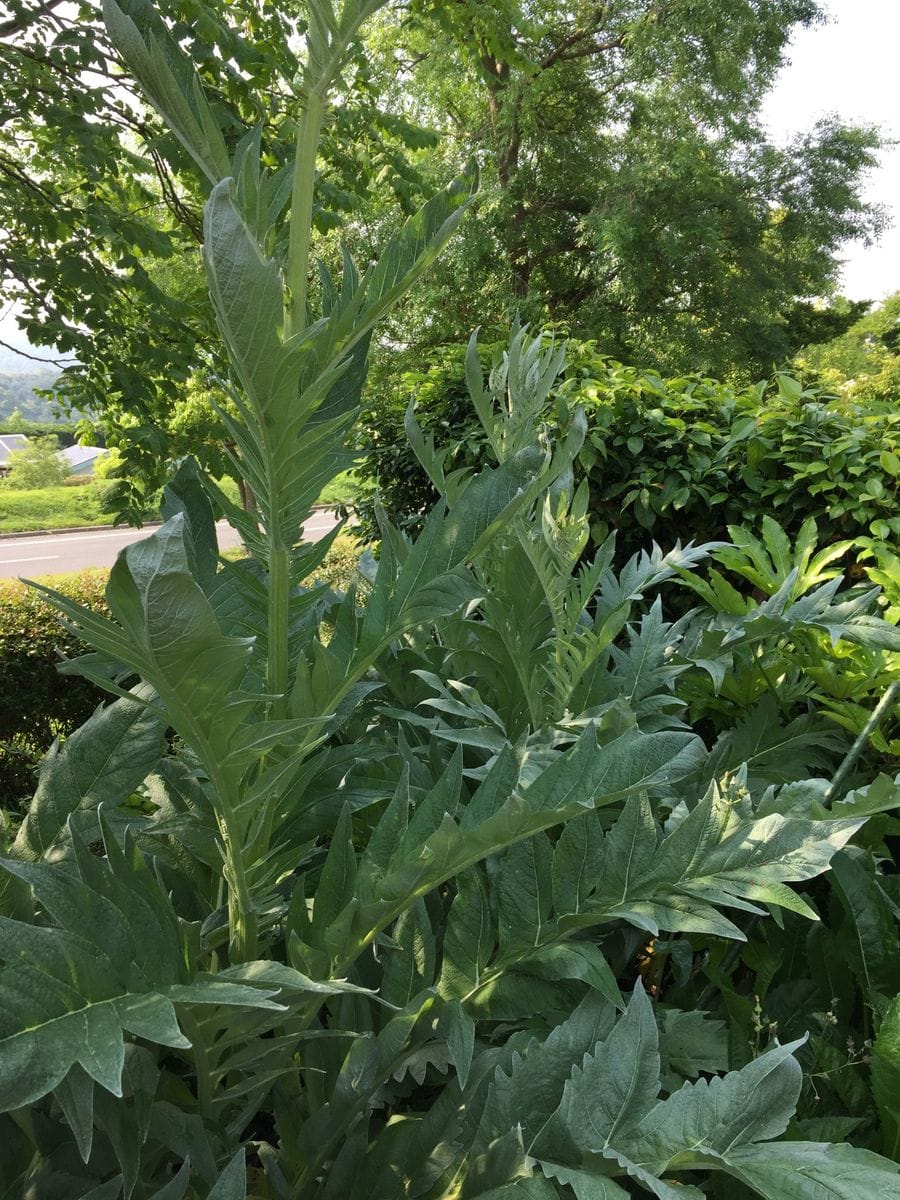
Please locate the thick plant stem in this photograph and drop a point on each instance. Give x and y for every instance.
(300, 238)
(242, 921)
(277, 662)
(243, 926)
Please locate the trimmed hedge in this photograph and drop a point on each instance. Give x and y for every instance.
(669, 458)
(38, 704)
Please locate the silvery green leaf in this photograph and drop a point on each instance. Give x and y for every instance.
(530, 1090)
(113, 961)
(610, 1092)
(711, 1117)
(232, 1183)
(169, 81)
(102, 762)
(585, 1184)
(813, 1170)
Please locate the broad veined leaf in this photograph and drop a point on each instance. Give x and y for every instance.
(469, 937)
(409, 963)
(633, 762)
(164, 628)
(717, 856)
(114, 960)
(530, 1090)
(186, 494)
(605, 1098)
(708, 1119)
(102, 762)
(583, 777)
(812, 1170)
(572, 1104)
(713, 857)
(524, 894)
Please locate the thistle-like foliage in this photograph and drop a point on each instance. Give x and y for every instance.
(361, 887)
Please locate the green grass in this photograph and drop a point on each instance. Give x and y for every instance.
(65, 507)
(51, 508)
(342, 489)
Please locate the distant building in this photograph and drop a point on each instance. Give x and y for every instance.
(82, 459)
(8, 443)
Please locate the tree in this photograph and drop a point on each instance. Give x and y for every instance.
(630, 192)
(864, 362)
(101, 208)
(38, 465)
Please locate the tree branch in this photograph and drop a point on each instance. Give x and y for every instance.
(19, 24)
(580, 44)
(53, 362)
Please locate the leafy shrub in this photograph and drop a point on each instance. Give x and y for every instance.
(665, 456)
(38, 704)
(38, 465)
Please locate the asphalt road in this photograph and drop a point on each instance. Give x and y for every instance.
(54, 554)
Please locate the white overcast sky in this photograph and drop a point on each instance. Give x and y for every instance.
(851, 67)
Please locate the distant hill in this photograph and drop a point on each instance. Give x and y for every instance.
(18, 391)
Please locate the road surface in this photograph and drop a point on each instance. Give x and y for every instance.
(54, 554)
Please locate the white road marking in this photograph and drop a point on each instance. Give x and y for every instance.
(35, 558)
(77, 537)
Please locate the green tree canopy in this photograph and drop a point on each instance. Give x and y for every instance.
(630, 191)
(101, 205)
(864, 361)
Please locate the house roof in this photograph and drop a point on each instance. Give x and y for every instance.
(77, 456)
(10, 442)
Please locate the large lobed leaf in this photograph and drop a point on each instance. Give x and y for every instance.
(586, 1101)
(110, 959)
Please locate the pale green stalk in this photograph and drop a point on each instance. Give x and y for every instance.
(309, 132)
(864, 734)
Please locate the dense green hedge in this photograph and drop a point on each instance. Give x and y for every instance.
(671, 458)
(36, 702)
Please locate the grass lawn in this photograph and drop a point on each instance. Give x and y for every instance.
(22, 511)
(51, 508)
(342, 489)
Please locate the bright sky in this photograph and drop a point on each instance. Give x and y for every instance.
(850, 67)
